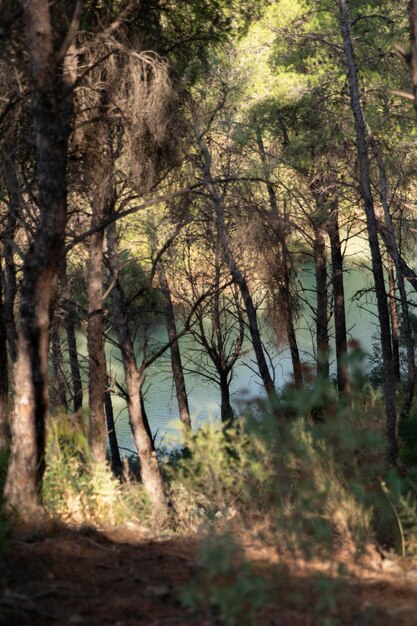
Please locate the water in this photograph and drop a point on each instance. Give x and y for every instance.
(204, 396)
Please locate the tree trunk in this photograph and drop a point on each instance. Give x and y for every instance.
(4, 377)
(176, 364)
(366, 193)
(283, 275)
(52, 115)
(394, 253)
(150, 472)
(394, 320)
(412, 14)
(70, 320)
(10, 286)
(116, 462)
(59, 386)
(322, 319)
(226, 411)
(236, 273)
(343, 383)
(102, 199)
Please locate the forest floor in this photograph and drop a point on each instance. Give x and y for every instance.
(125, 577)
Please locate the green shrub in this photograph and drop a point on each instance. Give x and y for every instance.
(78, 491)
(291, 480)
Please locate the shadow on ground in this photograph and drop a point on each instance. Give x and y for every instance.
(121, 578)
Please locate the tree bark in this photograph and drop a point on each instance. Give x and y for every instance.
(52, 116)
(116, 462)
(412, 14)
(366, 193)
(176, 363)
(103, 197)
(343, 382)
(394, 319)
(10, 286)
(394, 253)
(226, 411)
(70, 320)
(322, 319)
(4, 378)
(59, 386)
(150, 472)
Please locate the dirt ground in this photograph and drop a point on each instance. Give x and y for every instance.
(126, 578)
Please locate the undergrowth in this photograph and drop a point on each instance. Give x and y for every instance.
(313, 486)
(78, 491)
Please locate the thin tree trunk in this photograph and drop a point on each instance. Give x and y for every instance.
(59, 385)
(236, 273)
(366, 193)
(343, 382)
(394, 253)
(150, 472)
(102, 199)
(394, 319)
(283, 276)
(52, 115)
(70, 319)
(226, 411)
(176, 364)
(322, 320)
(284, 293)
(116, 462)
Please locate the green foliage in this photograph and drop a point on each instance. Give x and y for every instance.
(400, 491)
(300, 481)
(78, 491)
(209, 476)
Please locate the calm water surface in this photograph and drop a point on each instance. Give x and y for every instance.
(204, 396)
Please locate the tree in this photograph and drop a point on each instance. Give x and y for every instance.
(51, 85)
(230, 261)
(368, 201)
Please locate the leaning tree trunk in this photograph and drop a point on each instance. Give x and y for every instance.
(236, 272)
(176, 363)
(377, 269)
(52, 116)
(150, 472)
(394, 319)
(343, 382)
